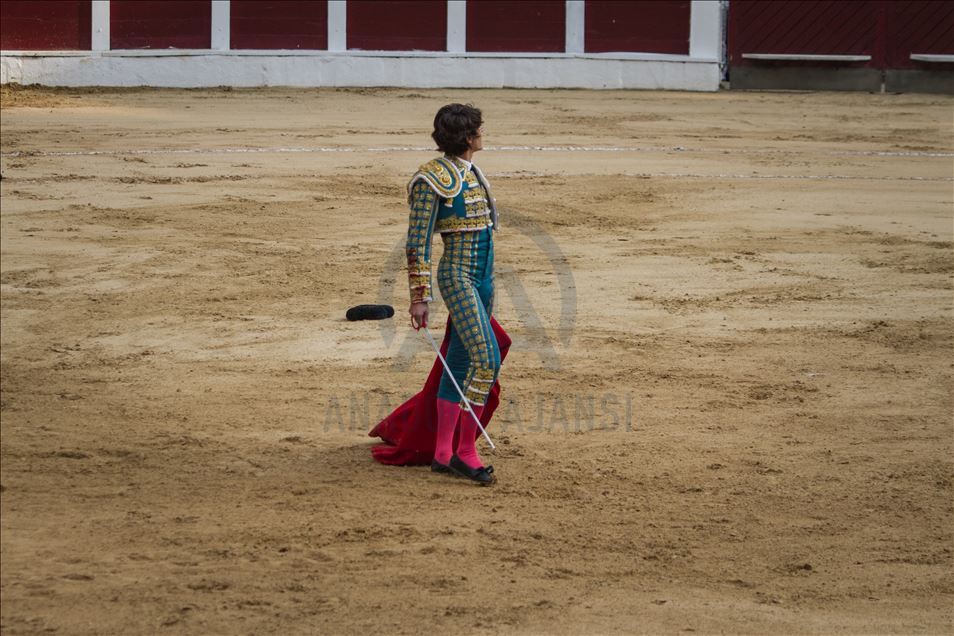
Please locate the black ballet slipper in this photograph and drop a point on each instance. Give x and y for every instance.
(483, 475)
(437, 467)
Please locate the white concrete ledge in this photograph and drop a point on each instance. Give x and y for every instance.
(806, 57)
(930, 57)
(195, 69)
(656, 57)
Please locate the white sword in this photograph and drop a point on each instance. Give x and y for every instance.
(430, 339)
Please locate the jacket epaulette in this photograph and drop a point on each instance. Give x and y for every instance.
(441, 175)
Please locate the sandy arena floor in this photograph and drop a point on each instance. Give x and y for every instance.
(728, 405)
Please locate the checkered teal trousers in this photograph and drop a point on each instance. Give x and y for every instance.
(465, 277)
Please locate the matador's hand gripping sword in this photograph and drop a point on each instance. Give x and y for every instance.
(427, 334)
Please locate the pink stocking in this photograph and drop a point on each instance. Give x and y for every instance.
(467, 442)
(447, 415)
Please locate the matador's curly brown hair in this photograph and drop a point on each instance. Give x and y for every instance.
(453, 125)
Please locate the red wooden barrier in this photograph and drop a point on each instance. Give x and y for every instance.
(55, 25)
(160, 24)
(888, 31)
(527, 26)
(815, 27)
(916, 26)
(646, 27)
(279, 24)
(397, 25)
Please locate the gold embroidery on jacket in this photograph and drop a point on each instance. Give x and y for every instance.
(462, 224)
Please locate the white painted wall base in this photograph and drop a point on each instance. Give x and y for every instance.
(193, 69)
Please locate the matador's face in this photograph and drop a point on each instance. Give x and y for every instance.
(477, 142)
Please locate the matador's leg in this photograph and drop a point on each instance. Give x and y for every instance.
(457, 357)
(478, 390)
(473, 324)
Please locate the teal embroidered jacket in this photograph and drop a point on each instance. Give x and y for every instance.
(444, 197)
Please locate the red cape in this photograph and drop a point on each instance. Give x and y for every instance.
(409, 432)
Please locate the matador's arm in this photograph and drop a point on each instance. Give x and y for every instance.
(423, 202)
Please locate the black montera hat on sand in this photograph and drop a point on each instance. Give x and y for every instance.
(370, 312)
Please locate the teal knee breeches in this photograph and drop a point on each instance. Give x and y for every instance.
(465, 276)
